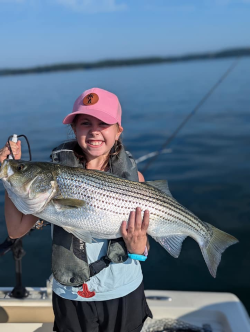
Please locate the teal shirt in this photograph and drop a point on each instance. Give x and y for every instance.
(117, 280)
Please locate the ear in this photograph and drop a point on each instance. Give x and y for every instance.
(119, 131)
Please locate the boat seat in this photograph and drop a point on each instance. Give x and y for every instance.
(26, 314)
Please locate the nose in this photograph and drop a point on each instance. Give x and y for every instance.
(95, 129)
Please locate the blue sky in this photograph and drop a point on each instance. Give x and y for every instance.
(38, 32)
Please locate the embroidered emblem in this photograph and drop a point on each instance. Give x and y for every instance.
(85, 292)
(90, 99)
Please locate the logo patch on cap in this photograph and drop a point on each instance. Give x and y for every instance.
(90, 99)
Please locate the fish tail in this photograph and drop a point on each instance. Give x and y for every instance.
(219, 242)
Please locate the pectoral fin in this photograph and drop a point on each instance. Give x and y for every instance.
(69, 202)
(172, 243)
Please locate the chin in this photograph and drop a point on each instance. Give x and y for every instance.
(98, 152)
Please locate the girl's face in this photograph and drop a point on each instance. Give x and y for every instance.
(94, 136)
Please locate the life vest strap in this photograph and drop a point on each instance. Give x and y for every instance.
(99, 265)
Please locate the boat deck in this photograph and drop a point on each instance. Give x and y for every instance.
(222, 312)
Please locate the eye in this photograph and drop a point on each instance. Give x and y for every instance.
(85, 123)
(20, 167)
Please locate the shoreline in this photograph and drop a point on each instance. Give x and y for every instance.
(236, 52)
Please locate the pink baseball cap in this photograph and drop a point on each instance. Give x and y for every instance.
(99, 103)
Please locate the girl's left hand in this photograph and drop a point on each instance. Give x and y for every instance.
(135, 234)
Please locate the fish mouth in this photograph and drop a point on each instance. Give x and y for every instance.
(23, 192)
(5, 171)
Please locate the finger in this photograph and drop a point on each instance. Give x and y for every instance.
(5, 151)
(138, 219)
(4, 154)
(124, 229)
(16, 147)
(12, 144)
(19, 151)
(131, 222)
(14, 150)
(145, 222)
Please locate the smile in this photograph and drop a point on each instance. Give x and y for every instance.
(95, 143)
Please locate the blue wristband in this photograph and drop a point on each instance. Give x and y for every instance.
(141, 258)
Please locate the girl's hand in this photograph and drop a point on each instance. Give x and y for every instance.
(135, 235)
(5, 151)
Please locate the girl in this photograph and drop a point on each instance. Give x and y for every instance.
(97, 286)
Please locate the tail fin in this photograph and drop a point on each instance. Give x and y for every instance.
(218, 244)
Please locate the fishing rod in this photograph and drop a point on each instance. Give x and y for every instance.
(155, 155)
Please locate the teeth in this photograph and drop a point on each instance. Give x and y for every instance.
(95, 142)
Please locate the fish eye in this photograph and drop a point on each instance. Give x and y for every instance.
(20, 167)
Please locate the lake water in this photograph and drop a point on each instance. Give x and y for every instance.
(208, 167)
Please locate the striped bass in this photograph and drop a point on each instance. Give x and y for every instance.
(92, 204)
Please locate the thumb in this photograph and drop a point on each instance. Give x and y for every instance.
(19, 144)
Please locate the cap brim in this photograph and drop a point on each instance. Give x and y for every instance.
(97, 114)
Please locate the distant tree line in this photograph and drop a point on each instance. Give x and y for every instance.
(127, 62)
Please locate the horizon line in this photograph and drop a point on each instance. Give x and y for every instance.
(108, 63)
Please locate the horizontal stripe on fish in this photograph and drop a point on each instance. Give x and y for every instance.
(177, 211)
(91, 203)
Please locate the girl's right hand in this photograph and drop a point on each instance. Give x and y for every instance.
(5, 151)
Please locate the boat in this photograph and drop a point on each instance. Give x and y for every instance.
(30, 309)
(211, 312)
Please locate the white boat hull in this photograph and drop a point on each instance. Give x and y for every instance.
(222, 311)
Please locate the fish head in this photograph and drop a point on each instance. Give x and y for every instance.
(29, 184)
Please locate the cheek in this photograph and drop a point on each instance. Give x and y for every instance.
(79, 131)
(111, 133)
(113, 136)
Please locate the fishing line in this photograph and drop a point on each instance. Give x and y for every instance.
(154, 155)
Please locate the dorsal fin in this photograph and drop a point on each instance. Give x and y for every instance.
(161, 185)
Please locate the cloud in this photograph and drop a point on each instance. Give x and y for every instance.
(93, 6)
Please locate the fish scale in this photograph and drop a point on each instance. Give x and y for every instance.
(119, 194)
(93, 204)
